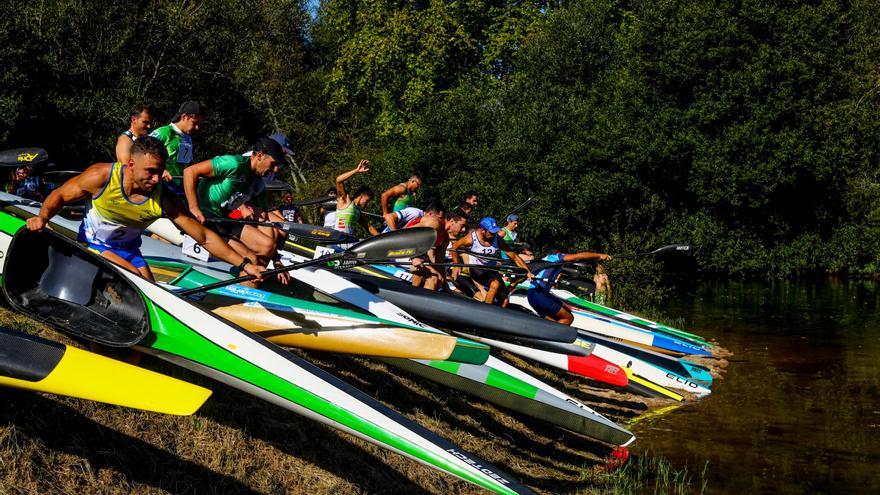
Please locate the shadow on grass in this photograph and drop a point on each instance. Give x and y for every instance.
(63, 429)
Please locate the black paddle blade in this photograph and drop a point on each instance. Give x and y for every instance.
(315, 201)
(23, 156)
(396, 244)
(673, 249)
(322, 235)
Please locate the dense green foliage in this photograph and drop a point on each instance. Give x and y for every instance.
(746, 128)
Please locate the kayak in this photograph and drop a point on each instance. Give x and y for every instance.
(504, 385)
(572, 299)
(275, 316)
(618, 330)
(623, 375)
(32, 363)
(54, 280)
(661, 377)
(454, 312)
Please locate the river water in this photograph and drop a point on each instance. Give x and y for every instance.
(798, 410)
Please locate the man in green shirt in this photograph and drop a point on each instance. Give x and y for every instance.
(232, 186)
(177, 138)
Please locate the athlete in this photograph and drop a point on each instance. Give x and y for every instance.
(403, 195)
(139, 124)
(403, 217)
(125, 198)
(329, 215)
(484, 241)
(542, 301)
(177, 138)
(348, 208)
(288, 211)
(225, 184)
(509, 233)
(425, 275)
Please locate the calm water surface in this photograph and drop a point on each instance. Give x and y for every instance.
(798, 410)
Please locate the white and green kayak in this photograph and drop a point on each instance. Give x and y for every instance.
(56, 281)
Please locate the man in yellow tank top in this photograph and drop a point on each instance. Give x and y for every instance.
(125, 198)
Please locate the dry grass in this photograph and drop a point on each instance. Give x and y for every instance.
(238, 444)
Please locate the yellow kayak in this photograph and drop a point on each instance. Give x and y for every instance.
(32, 363)
(332, 333)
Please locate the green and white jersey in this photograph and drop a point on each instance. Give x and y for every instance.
(233, 183)
(178, 145)
(347, 217)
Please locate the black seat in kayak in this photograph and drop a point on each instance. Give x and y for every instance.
(56, 281)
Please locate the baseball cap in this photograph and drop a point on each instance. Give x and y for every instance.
(270, 147)
(512, 218)
(281, 138)
(192, 108)
(489, 223)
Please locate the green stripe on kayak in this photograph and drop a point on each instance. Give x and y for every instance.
(513, 385)
(173, 337)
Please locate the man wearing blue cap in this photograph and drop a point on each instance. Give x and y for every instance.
(484, 244)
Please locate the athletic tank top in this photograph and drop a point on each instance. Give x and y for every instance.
(330, 219)
(404, 217)
(477, 248)
(403, 201)
(347, 217)
(545, 279)
(130, 135)
(114, 221)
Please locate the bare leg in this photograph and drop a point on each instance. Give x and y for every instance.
(563, 316)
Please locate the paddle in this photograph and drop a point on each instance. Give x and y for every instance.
(396, 244)
(521, 206)
(324, 235)
(670, 250)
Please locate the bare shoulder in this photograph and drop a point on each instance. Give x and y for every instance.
(94, 178)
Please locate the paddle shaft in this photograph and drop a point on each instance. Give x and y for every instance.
(267, 273)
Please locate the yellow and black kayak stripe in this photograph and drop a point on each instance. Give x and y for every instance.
(33, 363)
(309, 252)
(648, 388)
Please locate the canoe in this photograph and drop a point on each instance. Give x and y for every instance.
(622, 374)
(451, 311)
(501, 384)
(619, 330)
(32, 363)
(54, 280)
(574, 300)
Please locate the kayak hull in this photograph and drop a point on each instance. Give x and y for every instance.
(32, 363)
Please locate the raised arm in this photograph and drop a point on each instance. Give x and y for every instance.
(342, 197)
(176, 211)
(90, 182)
(191, 177)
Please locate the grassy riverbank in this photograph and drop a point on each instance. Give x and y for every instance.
(237, 444)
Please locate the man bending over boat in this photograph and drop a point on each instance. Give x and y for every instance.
(541, 300)
(403, 195)
(485, 244)
(125, 199)
(217, 187)
(348, 207)
(424, 275)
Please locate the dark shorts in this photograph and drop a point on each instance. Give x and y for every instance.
(543, 303)
(485, 277)
(227, 230)
(132, 256)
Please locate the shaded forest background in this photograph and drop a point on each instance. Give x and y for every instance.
(748, 129)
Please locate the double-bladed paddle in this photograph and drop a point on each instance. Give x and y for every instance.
(324, 235)
(397, 244)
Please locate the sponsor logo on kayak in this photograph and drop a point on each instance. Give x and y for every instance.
(320, 233)
(244, 292)
(400, 253)
(27, 157)
(682, 380)
(611, 369)
(479, 466)
(412, 320)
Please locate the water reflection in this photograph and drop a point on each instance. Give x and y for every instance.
(798, 410)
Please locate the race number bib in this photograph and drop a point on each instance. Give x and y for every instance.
(194, 250)
(185, 152)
